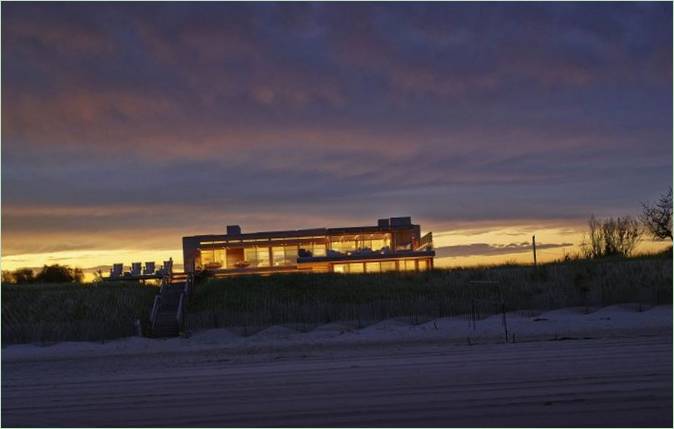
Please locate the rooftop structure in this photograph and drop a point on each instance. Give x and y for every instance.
(393, 244)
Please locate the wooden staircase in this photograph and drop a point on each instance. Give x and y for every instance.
(168, 310)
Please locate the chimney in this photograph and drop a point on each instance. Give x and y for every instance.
(383, 223)
(401, 221)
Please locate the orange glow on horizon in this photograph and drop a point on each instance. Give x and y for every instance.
(495, 237)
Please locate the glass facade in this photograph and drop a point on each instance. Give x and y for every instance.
(284, 255)
(393, 243)
(369, 243)
(374, 245)
(348, 250)
(278, 256)
(388, 266)
(356, 267)
(343, 246)
(372, 267)
(257, 256)
(213, 258)
(262, 256)
(250, 256)
(319, 249)
(314, 249)
(381, 266)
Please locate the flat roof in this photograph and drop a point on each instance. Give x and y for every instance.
(296, 233)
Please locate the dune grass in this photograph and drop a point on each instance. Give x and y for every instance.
(97, 312)
(73, 312)
(311, 299)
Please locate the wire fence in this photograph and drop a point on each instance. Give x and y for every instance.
(43, 313)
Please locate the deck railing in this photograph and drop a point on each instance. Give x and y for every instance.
(425, 242)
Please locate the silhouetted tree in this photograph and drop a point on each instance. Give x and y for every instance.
(7, 277)
(59, 274)
(611, 237)
(23, 276)
(593, 245)
(658, 218)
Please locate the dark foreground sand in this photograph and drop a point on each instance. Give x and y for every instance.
(624, 379)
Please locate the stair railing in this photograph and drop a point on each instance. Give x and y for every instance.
(179, 313)
(189, 280)
(155, 310)
(157, 301)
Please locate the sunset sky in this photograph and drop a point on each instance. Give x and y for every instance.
(128, 126)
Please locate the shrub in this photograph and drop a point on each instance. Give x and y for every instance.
(59, 274)
(20, 276)
(611, 237)
(658, 218)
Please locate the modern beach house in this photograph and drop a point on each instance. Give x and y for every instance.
(393, 244)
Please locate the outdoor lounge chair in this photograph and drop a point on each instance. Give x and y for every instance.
(149, 268)
(116, 271)
(135, 268)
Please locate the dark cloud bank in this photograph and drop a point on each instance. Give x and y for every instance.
(275, 115)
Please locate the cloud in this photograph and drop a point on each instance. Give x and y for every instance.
(170, 117)
(485, 249)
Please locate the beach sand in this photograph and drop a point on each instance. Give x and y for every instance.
(610, 367)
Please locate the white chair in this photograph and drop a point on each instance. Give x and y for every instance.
(168, 266)
(116, 271)
(149, 268)
(135, 268)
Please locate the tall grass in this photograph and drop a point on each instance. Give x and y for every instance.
(72, 312)
(310, 299)
(97, 312)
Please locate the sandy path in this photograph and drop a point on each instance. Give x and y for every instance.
(606, 382)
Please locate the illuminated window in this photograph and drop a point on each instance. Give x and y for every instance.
(407, 265)
(345, 246)
(372, 267)
(372, 243)
(213, 258)
(378, 244)
(340, 268)
(262, 256)
(423, 265)
(291, 254)
(206, 257)
(284, 255)
(356, 267)
(388, 266)
(365, 244)
(316, 249)
(319, 250)
(278, 256)
(250, 256)
(221, 257)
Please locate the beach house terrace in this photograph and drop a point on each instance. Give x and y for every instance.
(394, 244)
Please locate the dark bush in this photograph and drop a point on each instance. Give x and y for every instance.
(59, 274)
